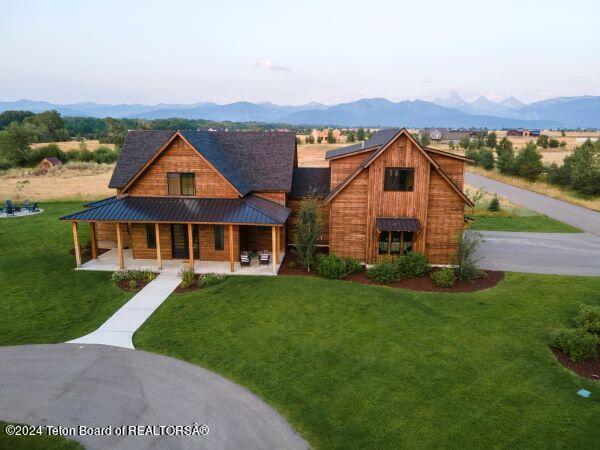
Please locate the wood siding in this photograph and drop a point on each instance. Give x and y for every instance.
(401, 153)
(294, 204)
(445, 213)
(276, 197)
(181, 157)
(348, 219)
(454, 168)
(106, 235)
(258, 238)
(140, 247)
(341, 168)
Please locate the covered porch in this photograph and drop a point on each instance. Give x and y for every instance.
(168, 234)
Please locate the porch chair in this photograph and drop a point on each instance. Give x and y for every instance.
(10, 211)
(244, 259)
(265, 257)
(10, 204)
(33, 207)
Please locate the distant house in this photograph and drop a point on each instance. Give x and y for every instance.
(337, 134)
(50, 162)
(435, 135)
(455, 136)
(514, 133)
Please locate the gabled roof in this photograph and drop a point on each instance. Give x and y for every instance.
(249, 161)
(54, 160)
(373, 156)
(308, 181)
(249, 210)
(104, 201)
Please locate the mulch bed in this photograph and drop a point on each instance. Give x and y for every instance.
(191, 288)
(588, 369)
(124, 284)
(491, 279)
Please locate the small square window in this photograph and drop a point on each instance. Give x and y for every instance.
(399, 179)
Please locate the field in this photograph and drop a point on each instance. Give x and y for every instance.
(91, 145)
(313, 155)
(72, 181)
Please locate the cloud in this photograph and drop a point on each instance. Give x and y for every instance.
(426, 81)
(269, 65)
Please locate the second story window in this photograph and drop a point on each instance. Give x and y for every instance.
(399, 179)
(181, 183)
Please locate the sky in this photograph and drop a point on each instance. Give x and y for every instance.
(178, 51)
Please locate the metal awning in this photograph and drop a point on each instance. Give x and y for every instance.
(397, 224)
(248, 210)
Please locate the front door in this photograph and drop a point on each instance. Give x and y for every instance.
(179, 241)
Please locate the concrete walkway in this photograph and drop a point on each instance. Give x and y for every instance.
(100, 386)
(579, 217)
(551, 253)
(118, 330)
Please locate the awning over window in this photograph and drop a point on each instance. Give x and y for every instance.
(397, 224)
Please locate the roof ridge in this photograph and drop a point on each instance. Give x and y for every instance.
(244, 199)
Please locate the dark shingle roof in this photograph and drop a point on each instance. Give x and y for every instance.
(251, 209)
(104, 201)
(378, 139)
(308, 181)
(53, 159)
(250, 161)
(138, 148)
(397, 224)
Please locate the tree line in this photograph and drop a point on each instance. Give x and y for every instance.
(580, 171)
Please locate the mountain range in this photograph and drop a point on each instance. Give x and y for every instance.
(452, 111)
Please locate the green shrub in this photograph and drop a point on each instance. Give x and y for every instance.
(150, 276)
(384, 271)
(466, 260)
(443, 278)
(411, 265)
(210, 279)
(293, 264)
(119, 275)
(330, 266)
(494, 205)
(187, 275)
(132, 284)
(577, 344)
(588, 318)
(184, 284)
(133, 274)
(352, 265)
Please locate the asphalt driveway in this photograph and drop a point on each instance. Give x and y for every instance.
(96, 385)
(583, 218)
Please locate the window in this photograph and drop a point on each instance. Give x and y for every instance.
(150, 235)
(262, 229)
(398, 179)
(181, 183)
(219, 237)
(395, 242)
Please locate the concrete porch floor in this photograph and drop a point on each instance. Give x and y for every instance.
(109, 261)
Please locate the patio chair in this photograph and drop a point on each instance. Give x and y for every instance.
(33, 207)
(244, 259)
(265, 257)
(10, 211)
(10, 204)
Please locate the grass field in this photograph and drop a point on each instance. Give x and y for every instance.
(313, 155)
(353, 366)
(90, 144)
(43, 299)
(541, 187)
(35, 442)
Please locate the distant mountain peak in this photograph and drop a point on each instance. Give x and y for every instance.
(512, 102)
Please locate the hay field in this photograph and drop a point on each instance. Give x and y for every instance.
(72, 181)
(74, 145)
(313, 155)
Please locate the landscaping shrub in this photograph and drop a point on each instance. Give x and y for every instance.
(588, 319)
(132, 274)
(331, 266)
(187, 275)
(411, 265)
(466, 261)
(494, 205)
(577, 344)
(443, 278)
(307, 232)
(132, 284)
(352, 265)
(384, 271)
(210, 279)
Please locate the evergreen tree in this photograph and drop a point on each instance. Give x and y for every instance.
(542, 141)
(350, 137)
(307, 232)
(330, 137)
(528, 163)
(360, 134)
(506, 156)
(486, 159)
(491, 139)
(424, 138)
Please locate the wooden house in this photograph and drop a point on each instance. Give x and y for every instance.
(49, 162)
(207, 196)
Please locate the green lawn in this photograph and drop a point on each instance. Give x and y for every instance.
(355, 366)
(538, 223)
(43, 300)
(35, 442)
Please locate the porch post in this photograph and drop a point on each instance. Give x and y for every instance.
(191, 244)
(93, 240)
(277, 253)
(120, 247)
(158, 254)
(76, 245)
(231, 263)
(274, 243)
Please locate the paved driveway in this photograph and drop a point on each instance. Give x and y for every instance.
(553, 253)
(579, 217)
(95, 385)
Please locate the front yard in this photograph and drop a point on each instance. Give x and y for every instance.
(43, 299)
(354, 366)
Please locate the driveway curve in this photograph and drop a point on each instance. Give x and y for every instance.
(96, 385)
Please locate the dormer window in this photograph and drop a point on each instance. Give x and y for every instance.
(181, 183)
(399, 179)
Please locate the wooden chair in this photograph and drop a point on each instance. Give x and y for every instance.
(244, 259)
(265, 257)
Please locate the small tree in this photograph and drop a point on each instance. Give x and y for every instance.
(308, 231)
(494, 205)
(464, 143)
(309, 139)
(486, 159)
(491, 139)
(528, 163)
(360, 134)
(330, 137)
(553, 143)
(467, 262)
(424, 138)
(542, 141)
(319, 140)
(506, 156)
(350, 137)
(562, 133)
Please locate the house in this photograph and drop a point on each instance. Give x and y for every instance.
(337, 135)
(455, 136)
(202, 196)
(514, 133)
(50, 162)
